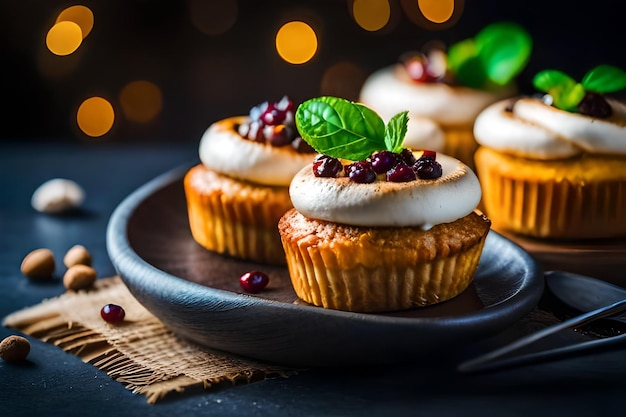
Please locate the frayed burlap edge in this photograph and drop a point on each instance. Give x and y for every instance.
(140, 353)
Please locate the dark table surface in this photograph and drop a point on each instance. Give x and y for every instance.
(56, 383)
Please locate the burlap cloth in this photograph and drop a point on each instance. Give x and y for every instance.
(140, 353)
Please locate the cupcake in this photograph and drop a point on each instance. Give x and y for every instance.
(377, 226)
(237, 193)
(444, 92)
(554, 167)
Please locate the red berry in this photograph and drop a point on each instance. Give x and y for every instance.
(427, 168)
(112, 313)
(401, 173)
(252, 131)
(595, 105)
(419, 69)
(279, 135)
(254, 281)
(326, 166)
(407, 156)
(273, 116)
(429, 154)
(361, 172)
(383, 161)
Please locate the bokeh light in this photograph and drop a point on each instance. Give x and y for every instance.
(343, 79)
(95, 116)
(213, 17)
(81, 15)
(141, 101)
(371, 15)
(64, 38)
(437, 11)
(296, 42)
(433, 14)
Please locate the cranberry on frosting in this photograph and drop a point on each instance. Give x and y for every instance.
(273, 123)
(263, 147)
(403, 166)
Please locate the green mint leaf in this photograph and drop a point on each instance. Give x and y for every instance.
(466, 65)
(495, 55)
(340, 128)
(569, 99)
(565, 91)
(472, 73)
(504, 48)
(604, 79)
(548, 79)
(460, 52)
(395, 131)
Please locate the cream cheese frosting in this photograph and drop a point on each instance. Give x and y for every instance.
(529, 128)
(391, 90)
(223, 150)
(422, 203)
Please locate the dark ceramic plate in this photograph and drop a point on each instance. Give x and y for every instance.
(196, 293)
(601, 258)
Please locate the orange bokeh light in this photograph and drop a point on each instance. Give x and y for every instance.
(64, 38)
(437, 11)
(81, 15)
(141, 101)
(296, 42)
(95, 116)
(371, 15)
(433, 14)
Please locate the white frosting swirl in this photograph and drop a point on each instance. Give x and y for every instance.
(391, 90)
(223, 150)
(422, 203)
(535, 130)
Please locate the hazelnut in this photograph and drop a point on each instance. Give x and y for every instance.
(38, 264)
(57, 195)
(14, 348)
(79, 277)
(77, 255)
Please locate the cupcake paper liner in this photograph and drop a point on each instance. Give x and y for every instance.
(542, 200)
(236, 218)
(359, 275)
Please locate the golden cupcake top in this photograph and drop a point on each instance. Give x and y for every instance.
(365, 177)
(263, 147)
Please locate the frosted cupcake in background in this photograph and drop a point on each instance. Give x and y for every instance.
(555, 166)
(444, 91)
(237, 193)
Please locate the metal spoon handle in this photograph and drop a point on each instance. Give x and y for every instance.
(491, 360)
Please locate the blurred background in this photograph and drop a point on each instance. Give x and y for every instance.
(163, 70)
